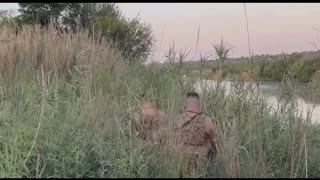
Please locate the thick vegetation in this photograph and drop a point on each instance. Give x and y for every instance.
(66, 105)
(71, 76)
(133, 38)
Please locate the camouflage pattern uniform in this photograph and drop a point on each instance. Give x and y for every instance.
(194, 136)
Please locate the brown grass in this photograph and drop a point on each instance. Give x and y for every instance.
(58, 52)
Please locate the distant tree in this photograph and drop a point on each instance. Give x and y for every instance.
(108, 9)
(7, 18)
(83, 15)
(78, 15)
(133, 38)
(41, 13)
(3, 13)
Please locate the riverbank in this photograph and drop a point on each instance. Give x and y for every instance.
(309, 91)
(299, 69)
(273, 92)
(68, 113)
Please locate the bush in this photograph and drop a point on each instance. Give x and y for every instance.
(303, 70)
(273, 71)
(316, 83)
(133, 38)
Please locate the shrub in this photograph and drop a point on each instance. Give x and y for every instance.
(133, 38)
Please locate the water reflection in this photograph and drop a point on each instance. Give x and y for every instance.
(271, 91)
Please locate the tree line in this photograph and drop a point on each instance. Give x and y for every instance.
(133, 38)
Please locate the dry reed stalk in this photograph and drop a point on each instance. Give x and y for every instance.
(59, 52)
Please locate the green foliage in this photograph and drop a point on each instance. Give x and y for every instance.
(42, 13)
(82, 15)
(10, 21)
(86, 129)
(273, 71)
(86, 119)
(316, 83)
(302, 70)
(261, 69)
(133, 38)
(79, 15)
(295, 66)
(108, 9)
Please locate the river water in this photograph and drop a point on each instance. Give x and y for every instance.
(271, 92)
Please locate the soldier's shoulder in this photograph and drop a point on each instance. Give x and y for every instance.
(208, 118)
(180, 120)
(204, 115)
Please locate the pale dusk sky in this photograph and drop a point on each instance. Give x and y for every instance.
(273, 27)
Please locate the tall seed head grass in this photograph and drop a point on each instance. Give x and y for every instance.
(60, 53)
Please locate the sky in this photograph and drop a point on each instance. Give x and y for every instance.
(273, 27)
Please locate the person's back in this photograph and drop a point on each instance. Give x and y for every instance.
(194, 133)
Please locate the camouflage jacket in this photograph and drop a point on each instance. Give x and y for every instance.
(195, 133)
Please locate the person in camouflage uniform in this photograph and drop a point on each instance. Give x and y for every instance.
(149, 120)
(194, 134)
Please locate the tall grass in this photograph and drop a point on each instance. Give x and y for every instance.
(73, 118)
